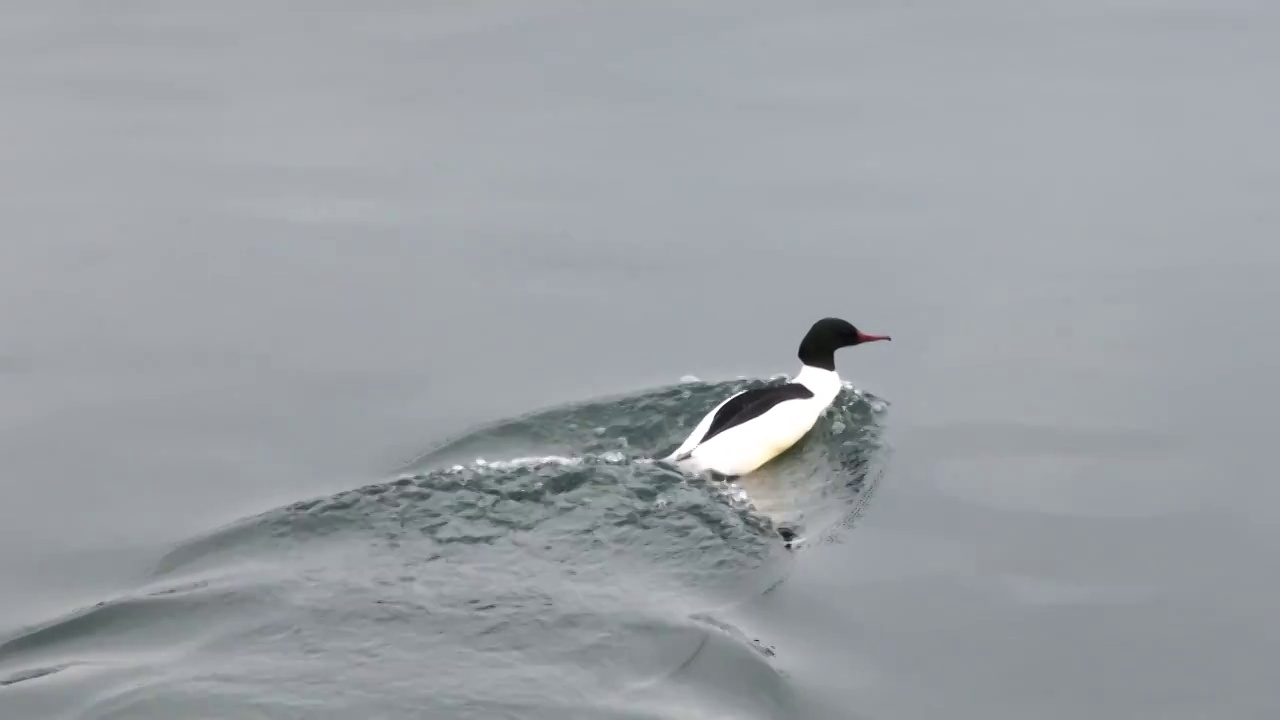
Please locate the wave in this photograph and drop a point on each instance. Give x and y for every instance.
(541, 566)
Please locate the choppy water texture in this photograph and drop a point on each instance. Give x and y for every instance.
(563, 574)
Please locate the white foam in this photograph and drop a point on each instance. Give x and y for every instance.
(529, 461)
(611, 456)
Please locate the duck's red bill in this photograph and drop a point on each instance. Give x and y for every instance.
(863, 337)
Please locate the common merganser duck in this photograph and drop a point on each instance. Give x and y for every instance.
(754, 426)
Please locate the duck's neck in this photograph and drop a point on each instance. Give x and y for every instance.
(821, 382)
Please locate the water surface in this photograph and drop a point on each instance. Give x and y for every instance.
(256, 257)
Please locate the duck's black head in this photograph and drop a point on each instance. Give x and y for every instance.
(818, 349)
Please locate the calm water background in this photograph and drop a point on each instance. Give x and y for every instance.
(252, 253)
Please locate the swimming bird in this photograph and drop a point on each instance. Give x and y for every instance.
(754, 426)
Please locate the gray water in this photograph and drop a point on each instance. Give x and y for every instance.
(273, 279)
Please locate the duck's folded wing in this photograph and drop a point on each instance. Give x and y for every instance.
(738, 409)
(700, 431)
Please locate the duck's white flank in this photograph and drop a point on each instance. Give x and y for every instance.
(745, 447)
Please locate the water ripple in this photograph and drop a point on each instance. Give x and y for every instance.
(540, 567)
